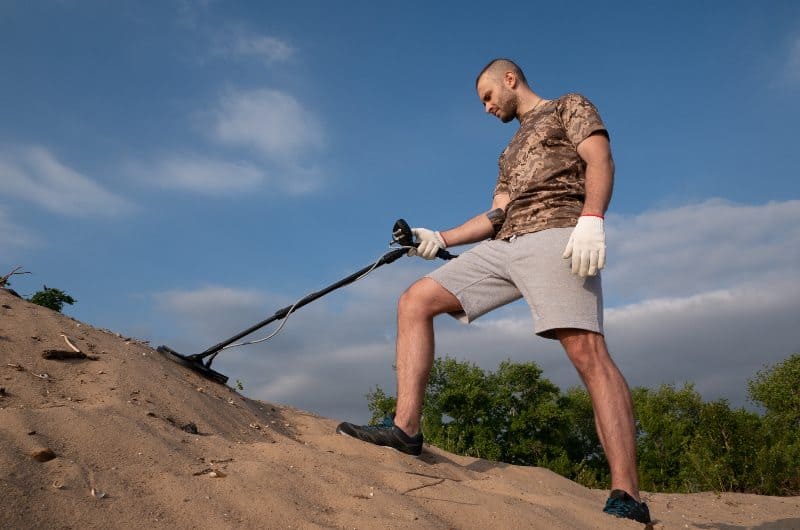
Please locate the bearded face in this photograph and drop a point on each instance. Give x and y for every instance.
(507, 104)
(498, 99)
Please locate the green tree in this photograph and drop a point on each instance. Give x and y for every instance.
(379, 404)
(723, 454)
(667, 421)
(687, 445)
(777, 389)
(526, 410)
(52, 298)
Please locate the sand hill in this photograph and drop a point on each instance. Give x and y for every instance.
(127, 439)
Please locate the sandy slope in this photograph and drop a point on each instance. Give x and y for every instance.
(119, 424)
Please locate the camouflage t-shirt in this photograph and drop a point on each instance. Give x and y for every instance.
(541, 170)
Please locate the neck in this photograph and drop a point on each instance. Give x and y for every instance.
(528, 100)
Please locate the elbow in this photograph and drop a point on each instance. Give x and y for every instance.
(500, 201)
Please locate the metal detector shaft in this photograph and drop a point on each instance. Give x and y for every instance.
(389, 257)
(401, 235)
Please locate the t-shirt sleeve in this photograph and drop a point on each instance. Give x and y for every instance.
(502, 178)
(580, 118)
(502, 183)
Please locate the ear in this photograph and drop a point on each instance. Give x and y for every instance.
(510, 79)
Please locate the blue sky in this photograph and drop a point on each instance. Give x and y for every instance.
(185, 168)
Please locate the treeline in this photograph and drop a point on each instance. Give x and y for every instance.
(685, 445)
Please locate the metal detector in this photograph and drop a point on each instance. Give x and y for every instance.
(201, 362)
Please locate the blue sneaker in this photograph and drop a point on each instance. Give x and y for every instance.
(386, 434)
(620, 504)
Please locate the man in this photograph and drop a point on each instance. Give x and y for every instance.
(553, 188)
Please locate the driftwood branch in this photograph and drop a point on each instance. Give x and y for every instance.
(15, 270)
(62, 355)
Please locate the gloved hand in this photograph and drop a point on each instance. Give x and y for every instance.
(429, 243)
(587, 246)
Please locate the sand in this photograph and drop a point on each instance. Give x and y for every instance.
(125, 438)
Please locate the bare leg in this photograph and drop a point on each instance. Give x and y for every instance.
(611, 400)
(415, 347)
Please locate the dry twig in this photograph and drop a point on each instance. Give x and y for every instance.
(15, 270)
(69, 343)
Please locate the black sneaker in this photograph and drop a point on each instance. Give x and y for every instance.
(620, 504)
(386, 433)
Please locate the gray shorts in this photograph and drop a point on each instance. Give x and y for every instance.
(497, 272)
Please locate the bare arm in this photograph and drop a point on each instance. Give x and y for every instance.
(596, 152)
(476, 229)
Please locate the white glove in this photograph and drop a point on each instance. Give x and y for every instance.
(429, 243)
(587, 246)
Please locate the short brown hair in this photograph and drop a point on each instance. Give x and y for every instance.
(506, 65)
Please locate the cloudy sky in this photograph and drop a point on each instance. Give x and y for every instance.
(185, 168)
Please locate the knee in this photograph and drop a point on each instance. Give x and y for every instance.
(412, 302)
(418, 301)
(587, 351)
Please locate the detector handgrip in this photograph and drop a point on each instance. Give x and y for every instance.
(401, 234)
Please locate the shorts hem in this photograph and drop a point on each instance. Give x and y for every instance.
(547, 331)
(461, 316)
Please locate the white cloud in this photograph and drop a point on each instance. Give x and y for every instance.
(285, 135)
(203, 175)
(714, 320)
(717, 339)
(213, 176)
(33, 174)
(260, 128)
(212, 313)
(190, 11)
(272, 122)
(699, 247)
(238, 42)
(217, 298)
(288, 386)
